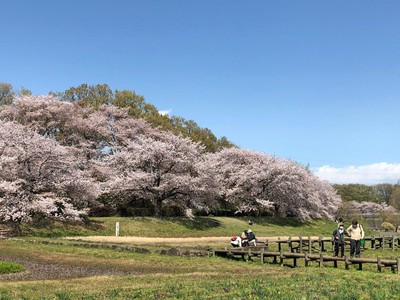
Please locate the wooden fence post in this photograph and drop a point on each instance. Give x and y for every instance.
(346, 262)
(379, 263)
(306, 260)
(301, 244)
(398, 265)
(262, 255)
(321, 260)
(321, 245)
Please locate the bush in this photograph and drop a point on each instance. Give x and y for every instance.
(387, 226)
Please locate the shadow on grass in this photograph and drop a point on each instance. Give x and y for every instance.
(198, 223)
(289, 222)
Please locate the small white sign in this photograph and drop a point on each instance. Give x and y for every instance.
(117, 229)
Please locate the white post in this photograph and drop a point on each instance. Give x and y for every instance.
(117, 229)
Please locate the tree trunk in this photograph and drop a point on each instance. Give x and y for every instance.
(158, 209)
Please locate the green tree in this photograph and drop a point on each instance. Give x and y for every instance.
(384, 191)
(6, 93)
(24, 92)
(357, 192)
(129, 99)
(223, 142)
(88, 95)
(395, 197)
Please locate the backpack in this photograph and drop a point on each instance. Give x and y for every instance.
(251, 236)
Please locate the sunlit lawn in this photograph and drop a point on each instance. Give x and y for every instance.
(155, 276)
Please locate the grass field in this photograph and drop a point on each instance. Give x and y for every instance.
(68, 272)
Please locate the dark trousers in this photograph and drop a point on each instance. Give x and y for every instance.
(355, 247)
(341, 247)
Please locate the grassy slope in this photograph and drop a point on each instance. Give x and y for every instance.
(204, 226)
(166, 277)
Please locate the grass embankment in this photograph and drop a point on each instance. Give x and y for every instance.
(182, 227)
(154, 276)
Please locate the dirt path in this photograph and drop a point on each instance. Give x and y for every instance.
(152, 240)
(148, 240)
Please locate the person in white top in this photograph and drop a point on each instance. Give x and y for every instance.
(236, 241)
(356, 233)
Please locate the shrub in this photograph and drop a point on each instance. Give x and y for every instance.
(387, 226)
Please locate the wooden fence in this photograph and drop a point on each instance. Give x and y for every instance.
(322, 244)
(320, 259)
(311, 250)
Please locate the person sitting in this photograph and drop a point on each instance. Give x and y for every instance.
(236, 241)
(251, 238)
(243, 237)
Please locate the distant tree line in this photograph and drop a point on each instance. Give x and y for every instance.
(63, 157)
(378, 205)
(379, 193)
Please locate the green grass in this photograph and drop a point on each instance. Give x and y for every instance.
(182, 227)
(7, 267)
(157, 276)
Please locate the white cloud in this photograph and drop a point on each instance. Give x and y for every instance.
(165, 112)
(367, 174)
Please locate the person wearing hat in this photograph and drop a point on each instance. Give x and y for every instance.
(338, 240)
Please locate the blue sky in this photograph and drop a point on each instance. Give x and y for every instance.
(313, 81)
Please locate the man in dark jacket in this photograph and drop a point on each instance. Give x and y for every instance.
(338, 239)
(251, 238)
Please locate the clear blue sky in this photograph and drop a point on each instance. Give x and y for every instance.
(314, 81)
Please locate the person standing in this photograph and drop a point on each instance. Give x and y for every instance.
(356, 233)
(338, 240)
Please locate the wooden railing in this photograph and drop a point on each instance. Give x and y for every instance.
(320, 244)
(264, 254)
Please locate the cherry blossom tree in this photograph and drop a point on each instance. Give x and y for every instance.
(254, 181)
(38, 176)
(62, 155)
(85, 129)
(162, 171)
